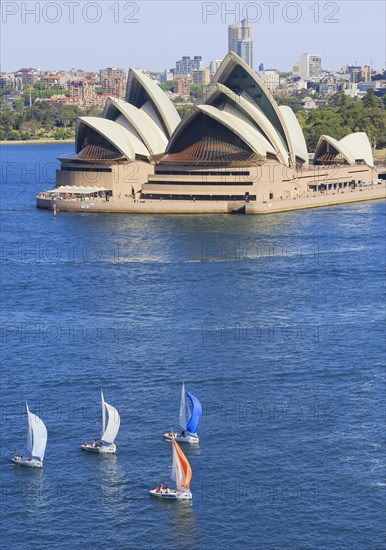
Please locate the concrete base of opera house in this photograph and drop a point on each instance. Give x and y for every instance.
(156, 206)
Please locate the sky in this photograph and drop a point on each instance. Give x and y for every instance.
(152, 35)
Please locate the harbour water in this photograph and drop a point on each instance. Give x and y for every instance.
(275, 322)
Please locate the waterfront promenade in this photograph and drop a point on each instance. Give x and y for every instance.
(314, 200)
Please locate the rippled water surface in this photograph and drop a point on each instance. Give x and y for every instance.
(275, 322)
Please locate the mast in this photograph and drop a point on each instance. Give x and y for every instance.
(30, 433)
(103, 414)
(183, 419)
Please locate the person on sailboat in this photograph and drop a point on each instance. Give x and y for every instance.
(110, 428)
(36, 442)
(181, 474)
(190, 417)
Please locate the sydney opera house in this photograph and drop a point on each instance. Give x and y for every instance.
(239, 151)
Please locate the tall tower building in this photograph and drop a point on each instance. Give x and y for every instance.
(245, 29)
(310, 66)
(234, 34)
(240, 40)
(245, 50)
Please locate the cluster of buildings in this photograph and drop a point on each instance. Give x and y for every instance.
(307, 73)
(91, 89)
(189, 70)
(84, 89)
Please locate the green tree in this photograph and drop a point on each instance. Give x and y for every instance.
(197, 91)
(39, 85)
(167, 86)
(184, 110)
(370, 99)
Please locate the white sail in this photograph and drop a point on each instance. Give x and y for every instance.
(113, 423)
(103, 414)
(37, 436)
(183, 409)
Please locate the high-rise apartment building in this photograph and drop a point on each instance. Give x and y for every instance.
(271, 79)
(112, 72)
(245, 50)
(11, 81)
(240, 40)
(28, 75)
(82, 91)
(185, 65)
(213, 66)
(234, 35)
(113, 82)
(366, 73)
(115, 87)
(310, 66)
(182, 85)
(201, 76)
(296, 69)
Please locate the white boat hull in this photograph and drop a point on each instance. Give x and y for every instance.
(171, 495)
(29, 463)
(100, 449)
(188, 438)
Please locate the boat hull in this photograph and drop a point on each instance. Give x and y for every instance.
(172, 495)
(33, 463)
(103, 449)
(188, 438)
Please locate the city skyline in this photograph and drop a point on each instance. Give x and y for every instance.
(353, 22)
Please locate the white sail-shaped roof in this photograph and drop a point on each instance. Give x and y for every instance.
(118, 136)
(255, 116)
(296, 137)
(359, 145)
(337, 145)
(354, 147)
(245, 132)
(249, 135)
(149, 132)
(141, 90)
(228, 74)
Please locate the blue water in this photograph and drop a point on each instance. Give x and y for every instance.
(275, 322)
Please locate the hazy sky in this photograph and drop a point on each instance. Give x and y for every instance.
(91, 35)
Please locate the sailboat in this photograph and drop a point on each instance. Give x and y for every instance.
(36, 442)
(109, 431)
(181, 474)
(188, 432)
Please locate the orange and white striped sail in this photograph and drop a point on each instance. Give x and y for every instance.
(182, 472)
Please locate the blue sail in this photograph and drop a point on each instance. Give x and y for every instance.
(196, 414)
